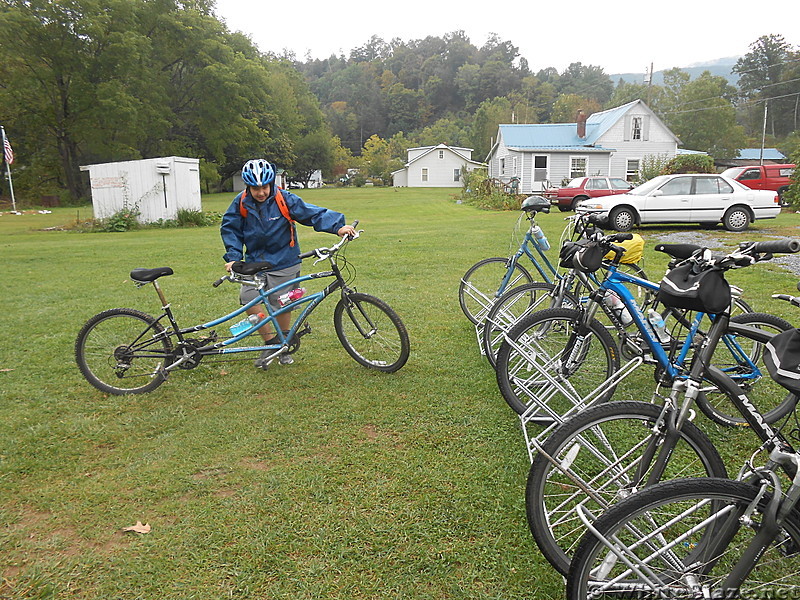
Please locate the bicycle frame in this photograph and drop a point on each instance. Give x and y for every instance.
(214, 347)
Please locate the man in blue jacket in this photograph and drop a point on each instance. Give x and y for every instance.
(259, 226)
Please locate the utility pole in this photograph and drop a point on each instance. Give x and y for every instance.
(763, 135)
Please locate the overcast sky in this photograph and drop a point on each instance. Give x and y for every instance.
(621, 35)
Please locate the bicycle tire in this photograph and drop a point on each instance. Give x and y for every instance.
(686, 563)
(762, 393)
(545, 335)
(592, 446)
(371, 332)
(480, 285)
(114, 347)
(512, 306)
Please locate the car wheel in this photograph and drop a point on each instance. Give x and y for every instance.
(621, 219)
(781, 192)
(736, 219)
(575, 201)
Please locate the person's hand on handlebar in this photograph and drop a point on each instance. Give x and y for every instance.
(228, 266)
(347, 230)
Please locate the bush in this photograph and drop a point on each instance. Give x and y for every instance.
(480, 190)
(792, 195)
(651, 166)
(689, 163)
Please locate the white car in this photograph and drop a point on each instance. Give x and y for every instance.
(696, 198)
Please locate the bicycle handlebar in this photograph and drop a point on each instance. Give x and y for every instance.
(772, 247)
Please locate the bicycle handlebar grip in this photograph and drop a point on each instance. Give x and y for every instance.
(309, 254)
(678, 250)
(776, 247)
(219, 281)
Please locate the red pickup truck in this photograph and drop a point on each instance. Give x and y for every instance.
(582, 188)
(763, 177)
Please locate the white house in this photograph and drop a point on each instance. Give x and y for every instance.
(612, 143)
(435, 166)
(156, 187)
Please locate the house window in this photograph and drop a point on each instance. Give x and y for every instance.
(456, 174)
(441, 153)
(577, 167)
(632, 170)
(636, 128)
(514, 166)
(540, 168)
(424, 173)
(502, 166)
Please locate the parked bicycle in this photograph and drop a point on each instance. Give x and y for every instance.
(606, 452)
(709, 538)
(126, 351)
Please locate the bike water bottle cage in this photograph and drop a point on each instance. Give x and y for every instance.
(282, 206)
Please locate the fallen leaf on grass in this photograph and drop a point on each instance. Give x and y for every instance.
(138, 528)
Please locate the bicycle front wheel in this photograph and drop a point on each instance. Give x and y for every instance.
(683, 539)
(371, 332)
(542, 349)
(481, 285)
(123, 351)
(730, 355)
(516, 303)
(592, 461)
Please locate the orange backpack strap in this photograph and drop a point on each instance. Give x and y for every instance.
(281, 202)
(279, 199)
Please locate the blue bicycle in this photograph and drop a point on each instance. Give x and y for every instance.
(126, 351)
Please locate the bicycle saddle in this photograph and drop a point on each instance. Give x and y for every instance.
(243, 268)
(678, 250)
(148, 275)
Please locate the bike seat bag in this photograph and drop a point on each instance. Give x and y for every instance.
(782, 358)
(692, 287)
(584, 255)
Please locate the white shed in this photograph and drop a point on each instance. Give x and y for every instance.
(157, 187)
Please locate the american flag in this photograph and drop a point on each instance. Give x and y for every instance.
(8, 153)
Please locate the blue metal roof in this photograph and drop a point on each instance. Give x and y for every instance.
(755, 154)
(563, 136)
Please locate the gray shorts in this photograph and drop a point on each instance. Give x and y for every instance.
(274, 278)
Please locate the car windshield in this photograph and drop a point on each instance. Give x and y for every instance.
(733, 172)
(649, 186)
(576, 182)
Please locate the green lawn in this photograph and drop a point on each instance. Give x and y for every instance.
(318, 480)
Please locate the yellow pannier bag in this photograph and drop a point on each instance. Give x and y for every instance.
(634, 248)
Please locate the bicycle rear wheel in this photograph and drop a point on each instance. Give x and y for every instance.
(543, 346)
(123, 351)
(771, 400)
(684, 537)
(481, 283)
(512, 306)
(371, 332)
(593, 458)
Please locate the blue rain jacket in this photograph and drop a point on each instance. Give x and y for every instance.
(264, 234)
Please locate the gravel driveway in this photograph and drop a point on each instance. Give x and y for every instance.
(790, 262)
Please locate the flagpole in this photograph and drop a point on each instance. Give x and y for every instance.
(8, 172)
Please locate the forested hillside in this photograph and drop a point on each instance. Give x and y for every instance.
(90, 81)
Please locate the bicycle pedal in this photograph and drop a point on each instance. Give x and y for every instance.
(306, 329)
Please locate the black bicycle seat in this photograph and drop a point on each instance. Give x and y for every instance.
(243, 268)
(148, 275)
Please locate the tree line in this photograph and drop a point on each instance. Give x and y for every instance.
(91, 81)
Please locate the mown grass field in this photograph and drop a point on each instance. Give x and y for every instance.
(317, 480)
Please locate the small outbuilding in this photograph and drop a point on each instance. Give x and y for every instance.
(157, 187)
